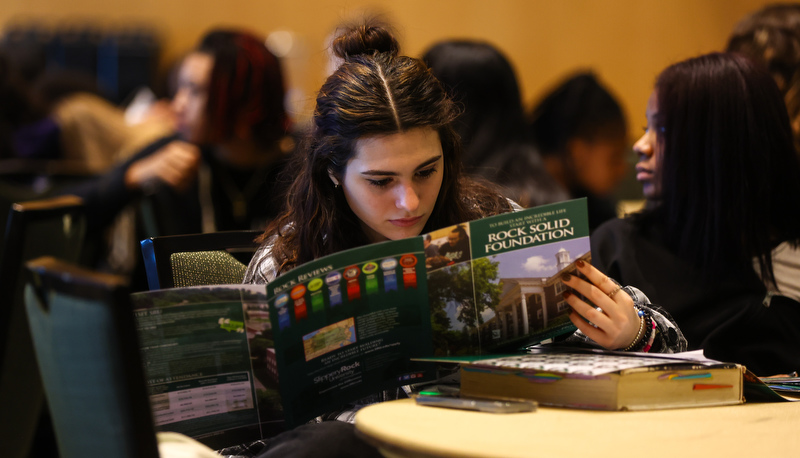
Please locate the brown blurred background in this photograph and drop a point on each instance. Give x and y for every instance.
(627, 42)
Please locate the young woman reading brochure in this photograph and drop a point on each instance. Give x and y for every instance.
(382, 162)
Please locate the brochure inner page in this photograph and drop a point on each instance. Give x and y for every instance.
(210, 362)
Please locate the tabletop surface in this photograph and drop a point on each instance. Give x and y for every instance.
(402, 428)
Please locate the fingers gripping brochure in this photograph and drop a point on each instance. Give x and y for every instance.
(345, 326)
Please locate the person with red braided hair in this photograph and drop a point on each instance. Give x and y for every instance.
(220, 170)
(229, 103)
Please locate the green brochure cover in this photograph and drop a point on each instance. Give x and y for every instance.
(346, 326)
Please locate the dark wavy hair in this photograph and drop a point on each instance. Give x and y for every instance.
(729, 174)
(246, 88)
(771, 36)
(374, 92)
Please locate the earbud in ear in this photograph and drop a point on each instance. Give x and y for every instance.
(333, 179)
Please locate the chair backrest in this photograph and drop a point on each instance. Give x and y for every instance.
(212, 258)
(24, 180)
(87, 349)
(56, 227)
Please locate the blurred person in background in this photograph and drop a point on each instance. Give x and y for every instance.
(771, 36)
(58, 114)
(491, 125)
(221, 170)
(581, 132)
(56, 132)
(17, 110)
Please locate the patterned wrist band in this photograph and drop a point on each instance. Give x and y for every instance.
(652, 337)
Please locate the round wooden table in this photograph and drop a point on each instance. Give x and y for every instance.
(404, 429)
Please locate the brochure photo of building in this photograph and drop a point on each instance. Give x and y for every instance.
(507, 291)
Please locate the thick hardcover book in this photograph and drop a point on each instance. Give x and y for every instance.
(346, 326)
(605, 380)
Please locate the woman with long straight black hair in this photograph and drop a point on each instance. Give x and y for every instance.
(718, 245)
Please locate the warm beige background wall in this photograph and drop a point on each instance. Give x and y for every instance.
(627, 42)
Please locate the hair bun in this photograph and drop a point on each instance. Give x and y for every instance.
(365, 39)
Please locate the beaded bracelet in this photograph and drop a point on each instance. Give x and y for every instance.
(647, 337)
(638, 334)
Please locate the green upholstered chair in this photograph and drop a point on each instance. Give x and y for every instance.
(87, 351)
(212, 258)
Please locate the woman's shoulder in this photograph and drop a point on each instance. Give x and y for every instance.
(612, 242)
(264, 266)
(616, 228)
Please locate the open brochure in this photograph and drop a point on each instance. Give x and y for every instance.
(229, 363)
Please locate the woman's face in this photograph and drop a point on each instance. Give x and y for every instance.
(392, 181)
(648, 150)
(599, 163)
(189, 103)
